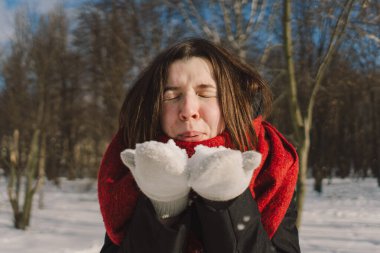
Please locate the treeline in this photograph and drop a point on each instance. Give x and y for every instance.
(63, 80)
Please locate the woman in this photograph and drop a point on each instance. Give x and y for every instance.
(200, 171)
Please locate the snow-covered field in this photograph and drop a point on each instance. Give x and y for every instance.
(69, 223)
(344, 219)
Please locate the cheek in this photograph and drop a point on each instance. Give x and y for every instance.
(167, 118)
(213, 117)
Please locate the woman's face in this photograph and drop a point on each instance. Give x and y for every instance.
(191, 110)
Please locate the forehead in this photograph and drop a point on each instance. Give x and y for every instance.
(194, 70)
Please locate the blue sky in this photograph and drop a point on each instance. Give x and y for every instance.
(11, 3)
(9, 7)
(42, 4)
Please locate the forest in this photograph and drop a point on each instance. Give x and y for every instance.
(63, 77)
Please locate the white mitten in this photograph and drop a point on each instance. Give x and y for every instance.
(221, 174)
(160, 171)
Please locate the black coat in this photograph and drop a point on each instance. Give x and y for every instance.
(236, 228)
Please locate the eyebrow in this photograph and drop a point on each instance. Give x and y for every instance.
(171, 88)
(206, 86)
(201, 86)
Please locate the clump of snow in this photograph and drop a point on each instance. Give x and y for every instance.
(345, 218)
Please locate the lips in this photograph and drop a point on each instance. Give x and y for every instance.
(191, 136)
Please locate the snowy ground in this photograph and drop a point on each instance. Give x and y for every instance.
(344, 219)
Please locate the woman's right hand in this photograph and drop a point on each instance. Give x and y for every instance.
(160, 171)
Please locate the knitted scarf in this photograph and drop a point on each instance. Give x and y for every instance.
(272, 184)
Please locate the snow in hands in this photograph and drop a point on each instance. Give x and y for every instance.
(216, 173)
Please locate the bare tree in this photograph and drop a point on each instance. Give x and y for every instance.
(302, 122)
(233, 23)
(34, 69)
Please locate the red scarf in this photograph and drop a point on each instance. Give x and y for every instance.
(272, 184)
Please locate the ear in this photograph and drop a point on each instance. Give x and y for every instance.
(128, 158)
(251, 160)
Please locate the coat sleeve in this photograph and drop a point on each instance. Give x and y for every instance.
(238, 228)
(146, 234)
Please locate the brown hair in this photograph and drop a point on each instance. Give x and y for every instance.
(243, 94)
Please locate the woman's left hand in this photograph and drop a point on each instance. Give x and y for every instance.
(221, 174)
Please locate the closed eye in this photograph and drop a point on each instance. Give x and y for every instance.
(171, 95)
(207, 94)
(202, 91)
(207, 91)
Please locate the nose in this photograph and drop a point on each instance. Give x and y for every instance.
(189, 108)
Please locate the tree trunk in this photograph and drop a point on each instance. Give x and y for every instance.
(302, 176)
(31, 167)
(22, 216)
(13, 180)
(302, 138)
(302, 124)
(318, 179)
(41, 172)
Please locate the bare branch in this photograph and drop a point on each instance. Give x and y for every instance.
(187, 17)
(204, 26)
(256, 10)
(251, 16)
(335, 40)
(239, 20)
(288, 47)
(227, 23)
